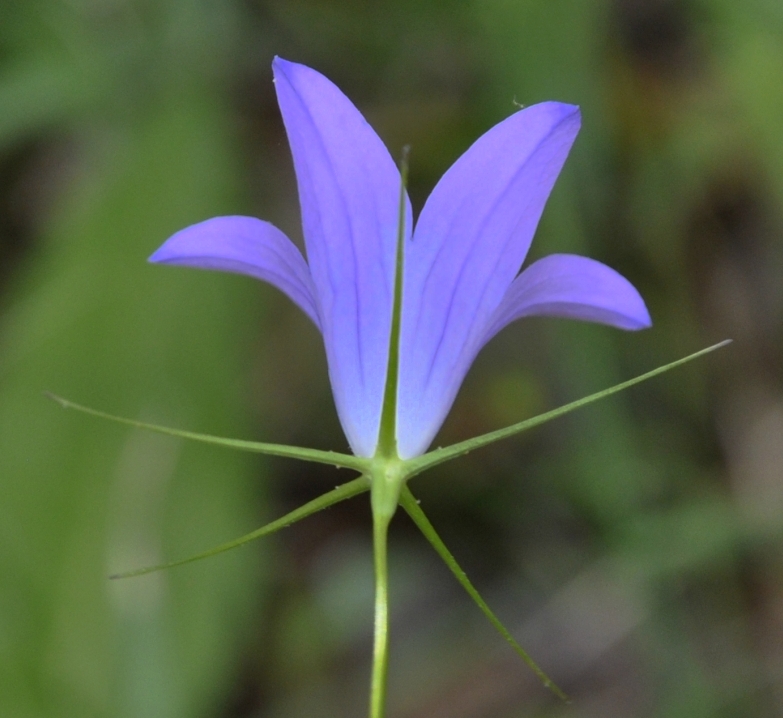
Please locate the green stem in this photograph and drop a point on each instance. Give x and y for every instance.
(380, 656)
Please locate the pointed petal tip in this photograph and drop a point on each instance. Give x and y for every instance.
(643, 319)
(280, 63)
(291, 71)
(563, 108)
(161, 254)
(556, 111)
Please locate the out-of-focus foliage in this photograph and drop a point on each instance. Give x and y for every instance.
(633, 548)
(84, 315)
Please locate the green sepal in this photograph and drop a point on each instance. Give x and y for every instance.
(333, 458)
(411, 506)
(346, 491)
(433, 458)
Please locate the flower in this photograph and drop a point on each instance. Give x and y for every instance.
(460, 280)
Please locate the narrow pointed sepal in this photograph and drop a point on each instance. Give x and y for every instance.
(439, 456)
(412, 508)
(341, 493)
(332, 458)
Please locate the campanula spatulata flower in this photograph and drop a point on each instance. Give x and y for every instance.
(461, 279)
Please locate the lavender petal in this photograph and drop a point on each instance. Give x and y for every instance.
(565, 285)
(470, 241)
(244, 245)
(349, 193)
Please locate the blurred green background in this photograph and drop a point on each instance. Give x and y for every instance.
(634, 547)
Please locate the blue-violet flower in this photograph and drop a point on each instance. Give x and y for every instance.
(460, 281)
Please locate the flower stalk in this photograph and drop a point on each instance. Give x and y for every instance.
(380, 652)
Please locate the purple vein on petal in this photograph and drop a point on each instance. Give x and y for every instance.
(350, 242)
(566, 285)
(473, 320)
(502, 255)
(469, 243)
(321, 253)
(245, 245)
(349, 188)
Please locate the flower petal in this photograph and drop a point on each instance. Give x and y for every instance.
(564, 285)
(349, 190)
(244, 245)
(471, 239)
